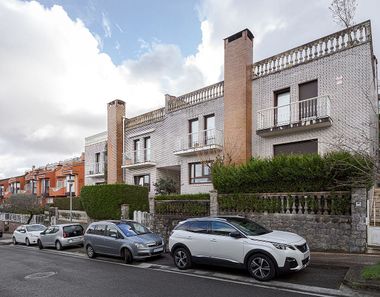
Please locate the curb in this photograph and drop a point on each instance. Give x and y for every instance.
(354, 280)
(5, 242)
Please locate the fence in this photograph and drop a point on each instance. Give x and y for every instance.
(21, 218)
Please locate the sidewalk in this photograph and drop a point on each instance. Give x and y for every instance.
(355, 262)
(6, 239)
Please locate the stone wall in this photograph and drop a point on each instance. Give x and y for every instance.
(346, 233)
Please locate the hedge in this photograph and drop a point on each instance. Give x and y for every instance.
(104, 201)
(294, 173)
(200, 196)
(64, 203)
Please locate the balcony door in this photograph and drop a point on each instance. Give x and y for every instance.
(137, 151)
(209, 129)
(282, 112)
(193, 133)
(308, 93)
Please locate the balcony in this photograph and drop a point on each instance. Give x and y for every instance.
(140, 159)
(297, 116)
(95, 169)
(199, 142)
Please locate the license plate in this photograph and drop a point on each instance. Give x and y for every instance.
(158, 250)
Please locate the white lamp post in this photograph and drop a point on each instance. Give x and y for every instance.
(70, 181)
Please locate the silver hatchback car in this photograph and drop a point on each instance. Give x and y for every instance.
(127, 239)
(60, 236)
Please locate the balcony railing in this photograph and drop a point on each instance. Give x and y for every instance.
(96, 168)
(139, 158)
(336, 42)
(200, 141)
(296, 114)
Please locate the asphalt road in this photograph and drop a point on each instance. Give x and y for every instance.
(64, 274)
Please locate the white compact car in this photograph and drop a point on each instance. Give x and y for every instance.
(237, 241)
(27, 234)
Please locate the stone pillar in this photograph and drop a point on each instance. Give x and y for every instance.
(238, 58)
(115, 114)
(151, 205)
(125, 211)
(358, 242)
(214, 206)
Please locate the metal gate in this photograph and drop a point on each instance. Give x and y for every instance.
(374, 218)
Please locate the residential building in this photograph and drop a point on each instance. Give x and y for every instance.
(49, 182)
(314, 98)
(95, 156)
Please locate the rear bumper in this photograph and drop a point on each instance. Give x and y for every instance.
(72, 241)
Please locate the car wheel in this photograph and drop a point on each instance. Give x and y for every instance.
(261, 267)
(182, 258)
(58, 245)
(127, 256)
(40, 246)
(14, 241)
(90, 251)
(27, 242)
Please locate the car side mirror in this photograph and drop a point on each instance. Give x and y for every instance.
(235, 234)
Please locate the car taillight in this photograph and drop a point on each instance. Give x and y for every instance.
(65, 235)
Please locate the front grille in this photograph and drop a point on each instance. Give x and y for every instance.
(157, 243)
(302, 248)
(305, 261)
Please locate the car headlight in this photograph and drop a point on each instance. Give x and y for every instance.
(140, 245)
(282, 246)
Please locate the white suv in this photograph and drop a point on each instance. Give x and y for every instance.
(238, 241)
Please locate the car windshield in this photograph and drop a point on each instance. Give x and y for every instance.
(248, 227)
(132, 229)
(33, 228)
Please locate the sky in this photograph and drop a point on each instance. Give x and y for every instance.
(62, 61)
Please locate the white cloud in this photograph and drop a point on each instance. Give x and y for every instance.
(56, 81)
(106, 26)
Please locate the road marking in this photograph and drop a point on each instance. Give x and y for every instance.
(273, 285)
(40, 275)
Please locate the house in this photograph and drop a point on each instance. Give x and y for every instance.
(95, 156)
(314, 98)
(48, 182)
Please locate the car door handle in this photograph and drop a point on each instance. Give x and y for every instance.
(213, 240)
(189, 237)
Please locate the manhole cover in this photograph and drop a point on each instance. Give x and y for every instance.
(39, 275)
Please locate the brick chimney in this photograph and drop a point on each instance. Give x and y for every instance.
(115, 114)
(238, 57)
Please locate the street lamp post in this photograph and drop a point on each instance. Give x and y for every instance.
(70, 181)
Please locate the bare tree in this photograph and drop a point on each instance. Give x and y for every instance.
(23, 203)
(343, 12)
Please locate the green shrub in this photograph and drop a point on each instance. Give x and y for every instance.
(64, 203)
(371, 272)
(183, 208)
(199, 196)
(294, 173)
(104, 201)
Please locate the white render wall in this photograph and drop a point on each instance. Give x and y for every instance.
(164, 141)
(90, 151)
(352, 101)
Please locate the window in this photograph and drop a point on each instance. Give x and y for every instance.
(72, 231)
(97, 161)
(60, 184)
(147, 154)
(301, 147)
(193, 133)
(1, 190)
(220, 228)
(15, 187)
(45, 184)
(91, 230)
(282, 112)
(100, 229)
(209, 129)
(198, 227)
(308, 106)
(200, 173)
(33, 186)
(143, 180)
(111, 231)
(137, 151)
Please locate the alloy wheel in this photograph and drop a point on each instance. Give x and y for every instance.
(14, 241)
(90, 251)
(27, 242)
(260, 268)
(181, 259)
(58, 246)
